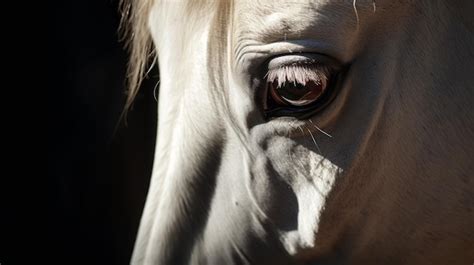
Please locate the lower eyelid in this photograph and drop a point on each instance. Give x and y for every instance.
(296, 128)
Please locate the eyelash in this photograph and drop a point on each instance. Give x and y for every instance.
(298, 73)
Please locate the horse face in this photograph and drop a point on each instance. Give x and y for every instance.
(374, 169)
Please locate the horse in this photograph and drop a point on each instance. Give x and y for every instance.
(308, 132)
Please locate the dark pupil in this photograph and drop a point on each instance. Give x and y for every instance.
(292, 91)
(296, 91)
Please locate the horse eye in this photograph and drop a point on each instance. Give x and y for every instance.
(296, 90)
(295, 93)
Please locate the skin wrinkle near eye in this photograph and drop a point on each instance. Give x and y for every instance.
(254, 52)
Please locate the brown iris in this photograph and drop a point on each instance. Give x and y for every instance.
(295, 93)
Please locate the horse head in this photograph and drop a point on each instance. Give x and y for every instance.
(309, 132)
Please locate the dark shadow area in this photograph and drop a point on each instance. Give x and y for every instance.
(98, 177)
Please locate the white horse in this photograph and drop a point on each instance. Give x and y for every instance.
(309, 132)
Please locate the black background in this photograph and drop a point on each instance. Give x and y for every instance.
(99, 175)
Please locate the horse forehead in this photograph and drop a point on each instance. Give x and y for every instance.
(286, 15)
(332, 27)
(270, 21)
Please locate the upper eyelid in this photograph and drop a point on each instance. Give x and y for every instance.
(279, 62)
(302, 59)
